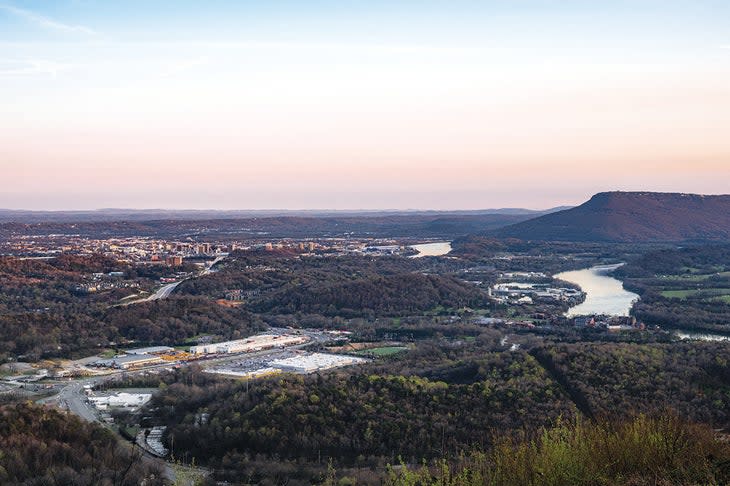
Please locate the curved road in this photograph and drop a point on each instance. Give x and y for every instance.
(166, 290)
(162, 293)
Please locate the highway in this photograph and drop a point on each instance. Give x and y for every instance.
(163, 292)
(166, 290)
(209, 268)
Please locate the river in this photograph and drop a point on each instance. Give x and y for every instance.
(605, 295)
(432, 249)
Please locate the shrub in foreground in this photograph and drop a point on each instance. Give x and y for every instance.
(657, 451)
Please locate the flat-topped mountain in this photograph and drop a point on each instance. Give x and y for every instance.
(632, 217)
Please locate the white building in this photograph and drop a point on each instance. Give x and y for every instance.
(150, 350)
(257, 373)
(130, 361)
(309, 363)
(121, 400)
(251, 344)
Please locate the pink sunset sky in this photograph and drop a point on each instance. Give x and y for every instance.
(493, 107)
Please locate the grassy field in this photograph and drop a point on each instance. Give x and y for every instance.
(683, 294)
(129, 432)
(384, 351)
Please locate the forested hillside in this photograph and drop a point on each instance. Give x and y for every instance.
(40, 446)
(615, 379)
(374, 296)
(345, 286)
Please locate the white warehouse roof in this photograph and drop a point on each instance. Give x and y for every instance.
(315, 361)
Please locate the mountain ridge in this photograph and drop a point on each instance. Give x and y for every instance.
(623, 216)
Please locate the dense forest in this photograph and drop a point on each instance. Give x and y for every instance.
(33, 285)
(266, 271)
(346, 286)
(609, 379)
(678, 261)
(172, 321)
(40, 446)
(394, 295)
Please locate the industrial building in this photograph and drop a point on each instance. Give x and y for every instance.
(251, 344)
(257, 373)
(150, 350)
(130, 361)
(309, 363)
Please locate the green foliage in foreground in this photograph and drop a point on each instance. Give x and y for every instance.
(643, 451)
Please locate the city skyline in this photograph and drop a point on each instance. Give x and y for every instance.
(377, 105)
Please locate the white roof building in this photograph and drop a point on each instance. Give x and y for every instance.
(309, 363)
(150, 350)
(122, 399)
(253, 343)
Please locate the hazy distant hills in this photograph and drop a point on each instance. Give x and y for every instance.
(120, 214)
(631, 217)
(223, 225)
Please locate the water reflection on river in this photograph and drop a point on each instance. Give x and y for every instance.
(605, 295)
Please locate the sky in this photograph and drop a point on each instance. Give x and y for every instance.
(378, 104)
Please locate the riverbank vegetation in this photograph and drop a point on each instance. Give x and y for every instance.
(682, 288)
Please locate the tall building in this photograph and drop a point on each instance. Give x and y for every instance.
(174, 261)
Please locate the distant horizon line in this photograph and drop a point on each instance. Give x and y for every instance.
(268, 210)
